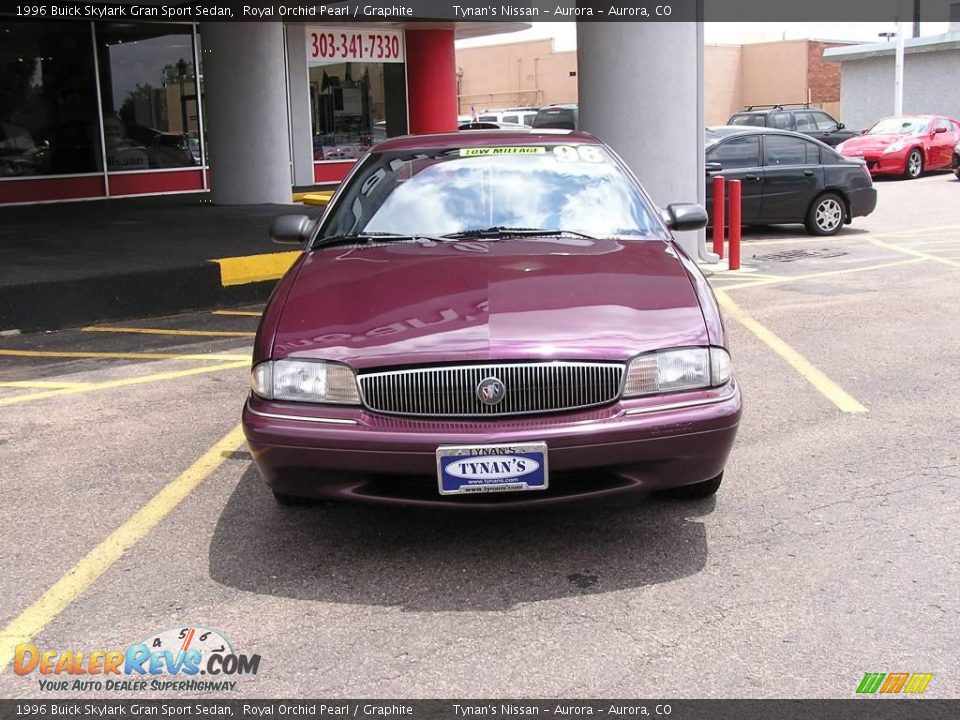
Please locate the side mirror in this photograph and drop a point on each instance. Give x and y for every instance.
(291, 229)
(939, 130)
(686, 216)
(864, 131)
(840, 126)
(712, 167)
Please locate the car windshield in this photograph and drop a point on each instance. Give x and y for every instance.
(468, 191)
(899, 126)
(748, 119)
(711, 138)
(556, 119)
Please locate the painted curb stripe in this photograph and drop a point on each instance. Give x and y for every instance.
(254, 268)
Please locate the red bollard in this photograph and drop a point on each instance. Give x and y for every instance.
(734, 225)
(719, 213)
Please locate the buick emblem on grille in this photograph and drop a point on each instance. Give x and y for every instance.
(491, 391)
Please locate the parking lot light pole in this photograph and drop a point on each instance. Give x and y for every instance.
(898, 73)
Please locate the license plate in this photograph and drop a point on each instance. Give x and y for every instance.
(492, 468)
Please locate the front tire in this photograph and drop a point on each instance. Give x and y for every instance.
(826, 214)
(697, 491)
(914, 166)
(956, 166)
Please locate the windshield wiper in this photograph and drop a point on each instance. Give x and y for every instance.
(500, 231)
(362, 238)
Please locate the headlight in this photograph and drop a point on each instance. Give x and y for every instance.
(895, 147)
(305, 381)
(673, 370)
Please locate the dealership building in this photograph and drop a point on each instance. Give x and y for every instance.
(107, 108)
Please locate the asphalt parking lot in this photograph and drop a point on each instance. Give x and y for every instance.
(131, 505)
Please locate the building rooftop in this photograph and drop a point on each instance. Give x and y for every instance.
(933, 43)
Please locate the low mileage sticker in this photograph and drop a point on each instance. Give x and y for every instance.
(482, 151)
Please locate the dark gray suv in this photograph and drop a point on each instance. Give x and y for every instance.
(799, 117)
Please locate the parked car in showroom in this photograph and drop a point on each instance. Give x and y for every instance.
(799, 117)
(787, 177)
(515, 115)
(491, 318)
(490, 125)
(558, 117)
(906, 145)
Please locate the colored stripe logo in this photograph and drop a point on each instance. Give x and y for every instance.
(894, 683)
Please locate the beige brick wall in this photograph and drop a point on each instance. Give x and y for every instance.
(532, 73)
(522, 73)
(774, 72)
(723, 89)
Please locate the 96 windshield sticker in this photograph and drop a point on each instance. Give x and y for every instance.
(481, 151)
(578, 153)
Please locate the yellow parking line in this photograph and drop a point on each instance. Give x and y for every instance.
(164, 331)
(120, 356)
(916, 253)
(95, 563)
(737, 275)
(138, 380)
(43, 384)
(739, 286)
(925, 243)
(747, 243)
(825, 273)
(243, 313)
(914, 231)
(832, 391)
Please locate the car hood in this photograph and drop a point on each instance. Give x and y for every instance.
(868, 143)
(516, 299)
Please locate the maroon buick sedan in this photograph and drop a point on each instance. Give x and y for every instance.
(491, 318)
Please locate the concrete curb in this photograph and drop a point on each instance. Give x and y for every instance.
(55, 305)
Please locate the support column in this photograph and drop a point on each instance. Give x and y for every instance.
(431, 81)
(245, 83)
(640, 89)
(301, 140)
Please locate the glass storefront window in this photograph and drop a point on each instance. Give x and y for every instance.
(148, 92)
(354, 106)
(48, 100)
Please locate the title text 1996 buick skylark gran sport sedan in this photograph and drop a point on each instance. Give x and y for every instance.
(491, 318)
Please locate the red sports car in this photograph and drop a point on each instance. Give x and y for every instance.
(906, 145)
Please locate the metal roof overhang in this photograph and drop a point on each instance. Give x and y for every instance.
(934, 43)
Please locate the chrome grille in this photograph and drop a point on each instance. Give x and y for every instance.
(451, 391)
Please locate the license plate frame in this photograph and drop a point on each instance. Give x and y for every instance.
(511, 474)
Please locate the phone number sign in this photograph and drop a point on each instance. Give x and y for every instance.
(332, 45)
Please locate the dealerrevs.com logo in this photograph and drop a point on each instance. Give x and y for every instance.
(894, 683)
(172, 659)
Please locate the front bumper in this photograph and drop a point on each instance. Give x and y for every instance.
(351, 454)
(886, 164)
